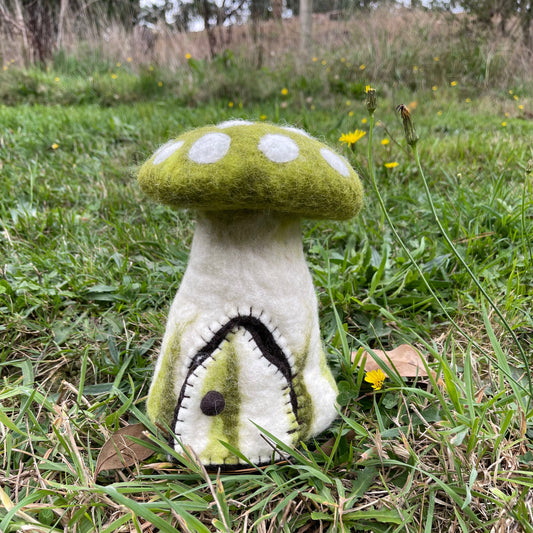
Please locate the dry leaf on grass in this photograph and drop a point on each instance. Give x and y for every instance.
(120, 451)
(407, 361)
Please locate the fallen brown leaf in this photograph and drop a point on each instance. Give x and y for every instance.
(120, 451)
(407, 361)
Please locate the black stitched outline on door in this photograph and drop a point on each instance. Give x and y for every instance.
(265, 341)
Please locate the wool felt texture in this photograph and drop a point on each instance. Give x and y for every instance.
(242, 350)
(245, 165)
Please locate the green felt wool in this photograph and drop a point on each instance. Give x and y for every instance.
(242, 165)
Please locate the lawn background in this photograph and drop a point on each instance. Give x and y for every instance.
(89, 267)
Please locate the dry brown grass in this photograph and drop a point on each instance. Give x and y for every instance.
(384, 41)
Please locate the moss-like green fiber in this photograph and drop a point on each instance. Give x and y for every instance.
(245, 178)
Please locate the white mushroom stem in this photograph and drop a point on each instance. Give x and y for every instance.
(244, 263)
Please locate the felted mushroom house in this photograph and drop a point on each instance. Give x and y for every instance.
(242, 350)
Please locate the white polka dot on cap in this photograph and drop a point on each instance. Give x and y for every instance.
(336, 162)
(297, 130)
(278, 148)
(236, 122)
(165, 151)
(210, 148)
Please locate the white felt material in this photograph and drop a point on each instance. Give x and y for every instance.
(336, 162)
(263, 401)
(278, 148)
(236, 122)
(210, 148)
(297, 130)
(165, 151)
(251, 264)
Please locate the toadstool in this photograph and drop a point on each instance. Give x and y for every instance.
(242, 349)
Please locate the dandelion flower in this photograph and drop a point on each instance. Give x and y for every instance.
(150, 68)
(348, 102)
(453, 83)
(324, 62)
(392, 164)
(511, 91)
(351, 138)
(415, 68)
(434, 88)
(468, 100)
(439, 113)
(230, 104)
(504, 124)
(160, 84)
(364, 121)
(521, 107)
(436, 58)
(119, 64)
(284, 91)
(362, 66)
(188, 56)
(315, 59)
(129, 60)
(351, 113)
(376, 378)
(515, 97)
(5, 67)
(507, 115)
(263, 117)
(56, 79)
(114, 76)
(54, 146)
(384, 142)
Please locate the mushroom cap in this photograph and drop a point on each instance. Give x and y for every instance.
(241, 165)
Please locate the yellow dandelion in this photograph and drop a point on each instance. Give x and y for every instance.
(515, 97)
(521, 107)
(504, 124)
(56, 79)
(119, 64)
(351, 138)
(160, 84)
(230, 104)
(507, 115)
(262, 117)
(368, 88)
(362, 66)
(114, 76)
(129, 60)
(351, 113)
(384, 142)
(188, 56)
(392, 164)
(315, 59)
(453, 83)
(468, 100)
(415, 68)
(439, 113)
(375, 378)
(436, 58)
(348, 102)
(12, 61)
(511, 91)
(324, 62)
(434, 88)
(284, 91)
(364, 121)
(150, 68)
(343, 60)
(5, 67)
(54, 146)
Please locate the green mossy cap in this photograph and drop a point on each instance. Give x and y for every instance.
(240, 165)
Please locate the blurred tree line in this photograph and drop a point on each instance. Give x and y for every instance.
(41, 23)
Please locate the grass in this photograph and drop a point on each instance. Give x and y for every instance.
(89, 267)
